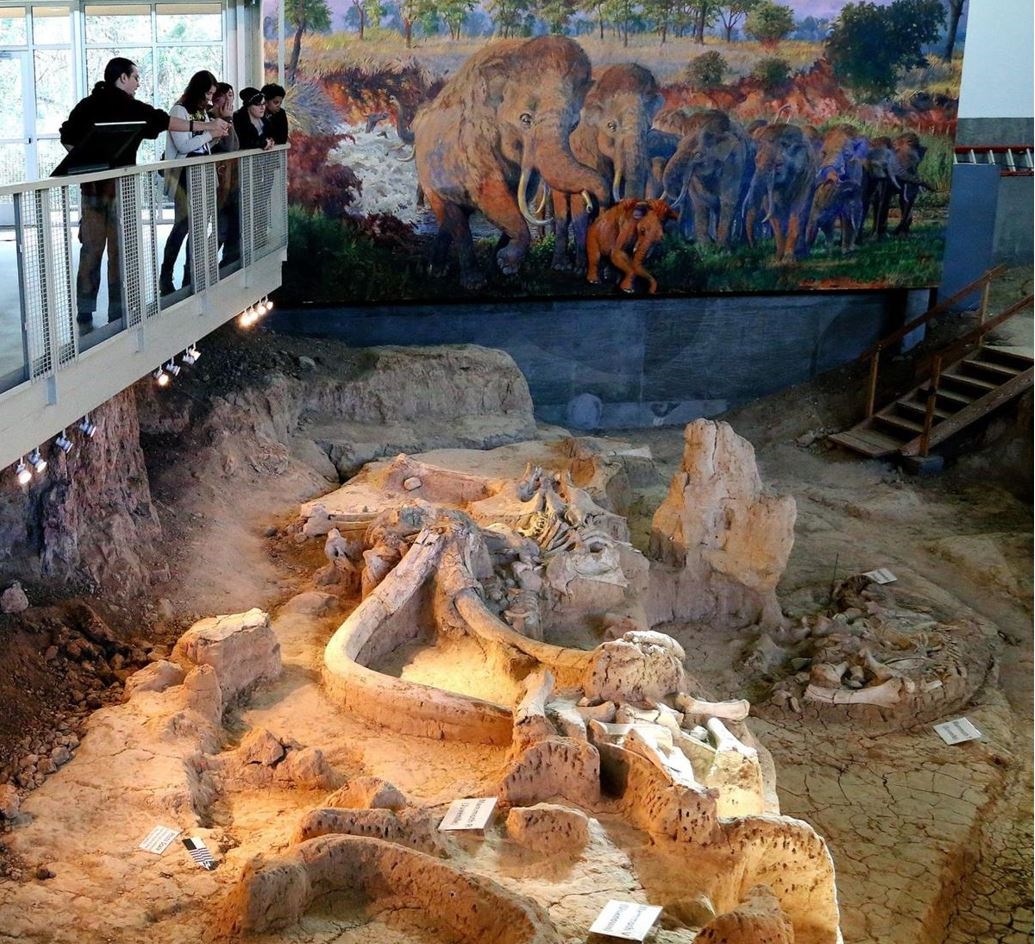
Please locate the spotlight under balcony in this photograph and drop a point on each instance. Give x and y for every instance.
(38, 463)
(22, 473)
(172, 368)
(63, 443)
(161, 378)
(87, 428)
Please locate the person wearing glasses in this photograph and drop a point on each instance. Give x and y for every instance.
(250, 121)
(113, 100)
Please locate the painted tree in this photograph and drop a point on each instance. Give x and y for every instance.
(731, 13)
(595, 9)
(508, 15)
(702, 14)
(663, 14)
(367, 12)
(769, 22)
(454, 12)
(304, 16)
(622, 13)
(556, 14)
(955, 12)
(411, 12)
(870, 45)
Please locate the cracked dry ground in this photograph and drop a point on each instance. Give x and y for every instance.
(932, 843)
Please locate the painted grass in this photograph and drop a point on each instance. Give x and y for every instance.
(336, 263)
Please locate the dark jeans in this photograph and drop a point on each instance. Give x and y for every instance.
(230, 228)
(98, 230)
(179, 231)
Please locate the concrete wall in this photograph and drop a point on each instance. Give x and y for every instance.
(629, 363)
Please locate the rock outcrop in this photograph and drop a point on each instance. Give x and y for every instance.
(719, 542)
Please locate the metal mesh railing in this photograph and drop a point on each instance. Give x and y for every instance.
(53, 287)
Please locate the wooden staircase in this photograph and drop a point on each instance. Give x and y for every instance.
(967, 381)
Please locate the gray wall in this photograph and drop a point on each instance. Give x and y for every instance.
(627, 363)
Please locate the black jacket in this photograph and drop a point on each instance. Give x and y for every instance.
(277, 127)
(246, 133)
(107, 103)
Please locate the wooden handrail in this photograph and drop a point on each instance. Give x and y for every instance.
(932, 399)
(975, 335)
(932, 312)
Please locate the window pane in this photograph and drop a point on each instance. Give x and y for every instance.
(51, 25)
(189, 23)
(55, 88)
(97, 58)
(110, 25)
(176, 65)
(50, 153)
(11, 93)
(12, 27)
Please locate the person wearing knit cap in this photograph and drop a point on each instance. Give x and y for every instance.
(250, 121)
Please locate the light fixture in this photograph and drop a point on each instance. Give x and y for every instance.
(23, 473)
(248, 317)
(38, 463)
(63, 443)
(267, 304)
(87, 428)
(191, 355)
(172, 368)
(161, 378)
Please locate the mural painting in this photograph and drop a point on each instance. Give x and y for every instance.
(489, 149)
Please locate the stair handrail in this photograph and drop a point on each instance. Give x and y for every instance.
(873, 353)
(974, 336)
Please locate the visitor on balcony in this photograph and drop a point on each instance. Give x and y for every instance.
(112, 100)
(276, 117)
(250, 121)
(193, 105)
(228, 201)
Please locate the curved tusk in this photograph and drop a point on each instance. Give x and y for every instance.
(616, 186)
(522, 196)
(589, 200)
(543, 209)
(409, 157)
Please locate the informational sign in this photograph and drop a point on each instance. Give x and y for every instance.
(472, 813)
(626, 920)
(957, 731)
(157, 841)
(881, 575)
(199, 852)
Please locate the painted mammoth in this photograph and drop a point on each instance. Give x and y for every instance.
(625, 234)
(611, 137)
(782, 187)
(661, 145)
(892, 168)
(499, 126)
(838, 200)
(909, 153)
(707, 178)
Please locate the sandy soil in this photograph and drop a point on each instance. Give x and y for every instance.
(932, 843)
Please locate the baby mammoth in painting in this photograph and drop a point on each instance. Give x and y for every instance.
(612, 138)
(838, 200)
(625, 234)
(708, 177)
(499, 127)
(782, 188)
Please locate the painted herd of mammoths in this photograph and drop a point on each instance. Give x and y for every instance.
(522, 134)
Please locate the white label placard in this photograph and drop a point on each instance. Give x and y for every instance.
(473, 813)
(157, 841)
(957, 731)
(626, 919)
(881, 575)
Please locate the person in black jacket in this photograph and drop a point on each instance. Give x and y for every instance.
(276, 117)
(250, 121)
(111, 100)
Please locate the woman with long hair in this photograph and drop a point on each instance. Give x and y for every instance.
(193, 105)
(228, 201)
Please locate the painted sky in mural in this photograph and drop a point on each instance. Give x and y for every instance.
(451, 150)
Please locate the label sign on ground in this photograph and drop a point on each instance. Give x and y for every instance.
(881, 575)
(957, 731)
(199, 852)
(626, 919)
(157, 841)
(473, 813)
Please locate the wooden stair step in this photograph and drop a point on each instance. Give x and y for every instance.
(998, 373)
(949, 398)
(962, 380)
(918, 408)
(867, 441)
(1010, 358)
(899, 424)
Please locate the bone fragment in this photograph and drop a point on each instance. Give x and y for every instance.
(567, 718)
(602, 712)
(530, 721)
(730, 710)
(673, 763)
(888, 694)
(725, 741)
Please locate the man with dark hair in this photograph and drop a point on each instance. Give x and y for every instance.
(112, 100)
(276, 117)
